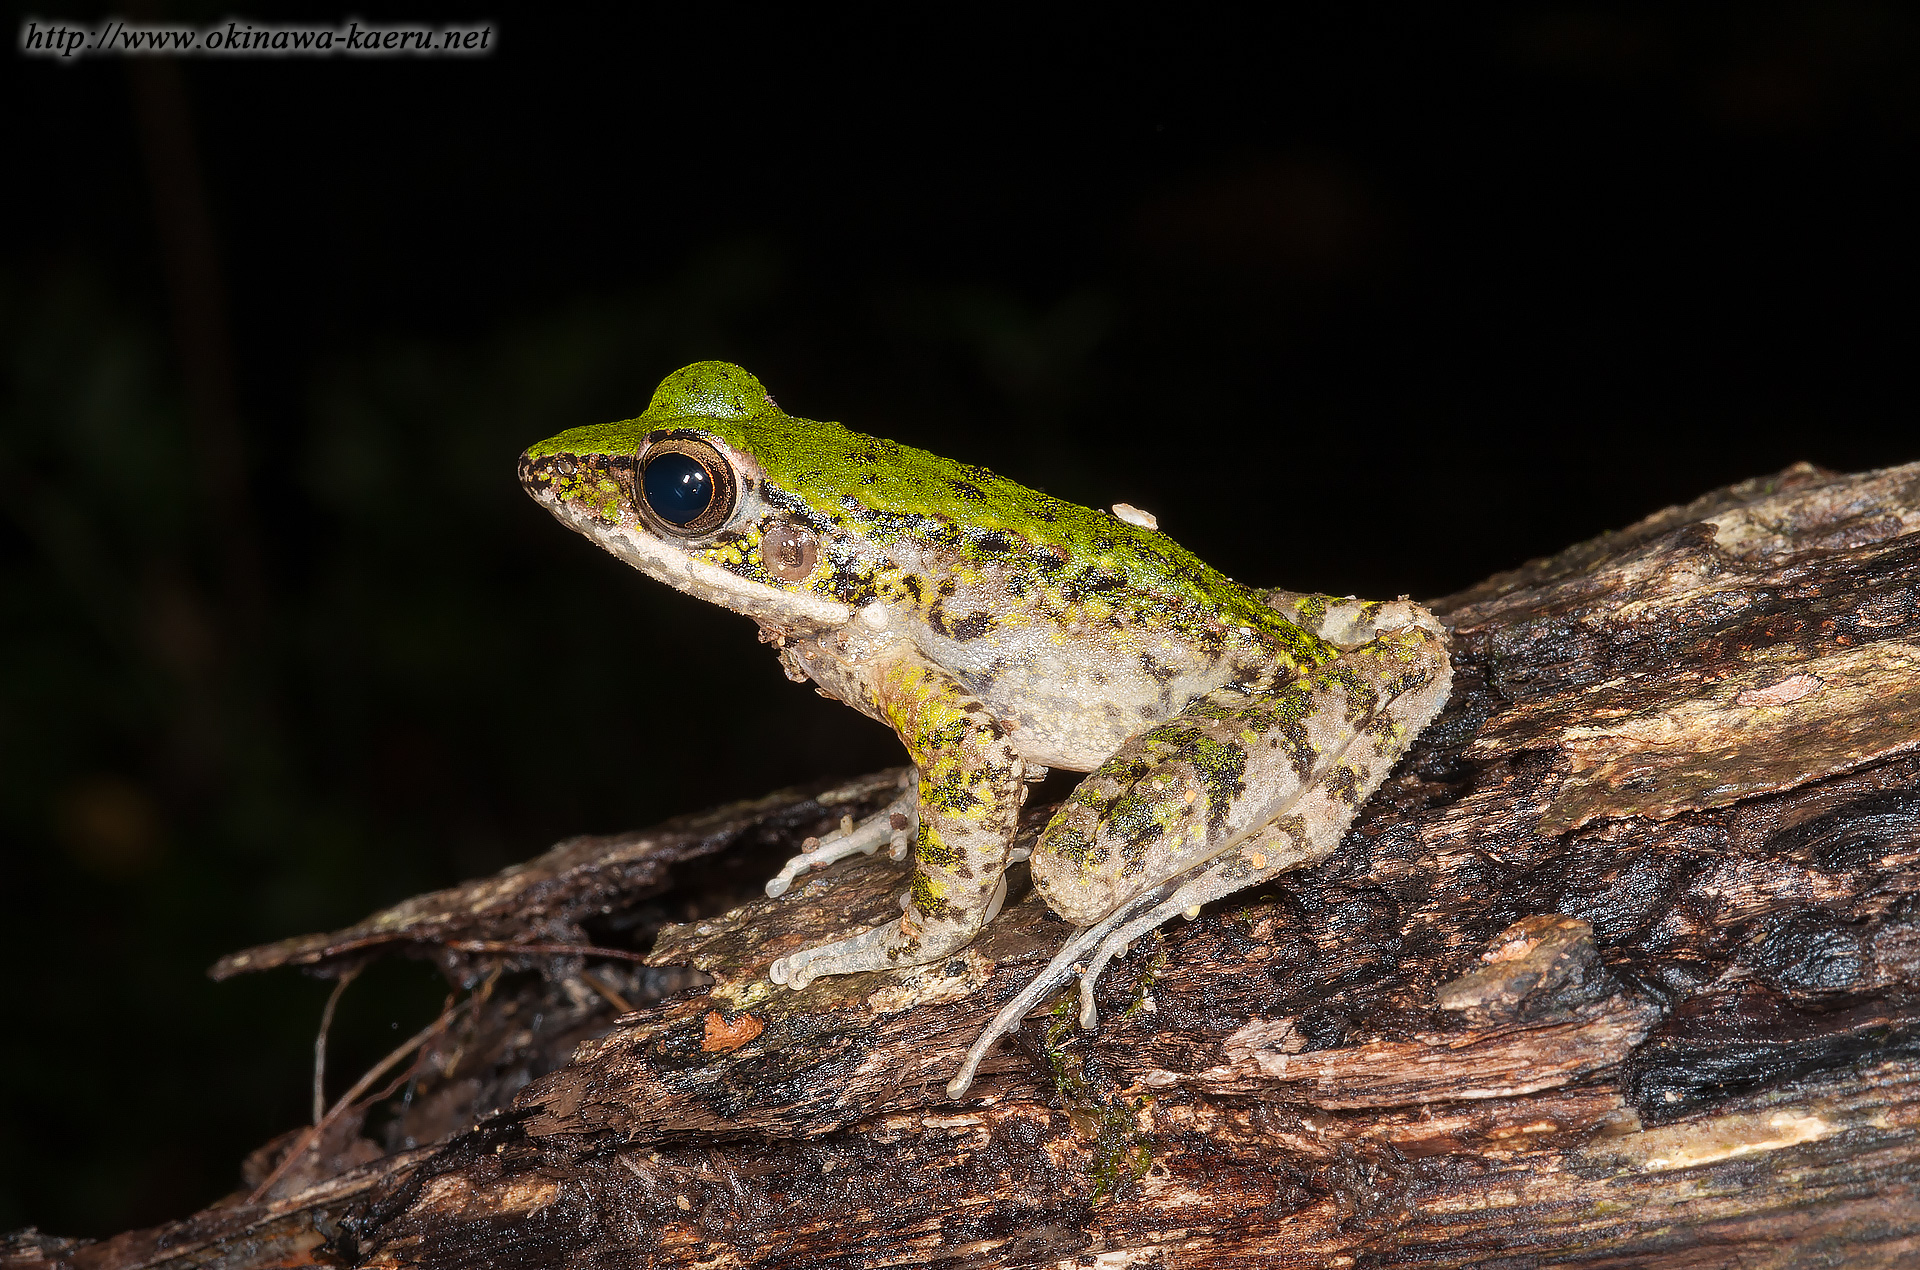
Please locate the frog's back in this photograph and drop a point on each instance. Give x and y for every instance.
(1078, 628)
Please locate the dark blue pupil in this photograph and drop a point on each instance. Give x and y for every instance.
(678, 489)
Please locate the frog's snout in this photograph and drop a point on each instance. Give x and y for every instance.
(538, 473)
(528, 466)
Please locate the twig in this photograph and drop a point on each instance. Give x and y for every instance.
(320, 1044)
(566, 950)
(468, 945)
(312, 1135)
(606, 990)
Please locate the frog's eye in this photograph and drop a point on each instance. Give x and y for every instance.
(686, 486)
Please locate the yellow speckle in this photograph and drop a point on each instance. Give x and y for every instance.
(1259, 861)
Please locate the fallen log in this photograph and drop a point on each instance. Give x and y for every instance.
(1622, 967)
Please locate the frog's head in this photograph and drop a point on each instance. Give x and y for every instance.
(683, 494)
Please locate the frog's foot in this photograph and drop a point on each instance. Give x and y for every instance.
(894, 824)
(1233, 870)
(868, 950)
(1059, 972)
(911, 940)
(1236, 869)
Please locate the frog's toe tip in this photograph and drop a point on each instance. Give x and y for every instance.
(792, 971)
(958, 1086)
(776, 887)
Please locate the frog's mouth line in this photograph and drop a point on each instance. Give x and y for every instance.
(670, 564)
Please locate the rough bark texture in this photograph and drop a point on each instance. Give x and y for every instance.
(1621, 968)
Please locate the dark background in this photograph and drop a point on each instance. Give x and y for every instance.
(1379, 305)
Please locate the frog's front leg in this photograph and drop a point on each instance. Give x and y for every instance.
(1239, 788)
(971, 789)
(891, 824)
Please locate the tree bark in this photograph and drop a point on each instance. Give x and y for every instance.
(1622, 967)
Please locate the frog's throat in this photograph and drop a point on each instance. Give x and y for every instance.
(697, 578)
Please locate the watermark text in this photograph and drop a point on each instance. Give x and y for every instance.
(241, 37)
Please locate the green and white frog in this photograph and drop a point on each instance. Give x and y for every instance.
(1231, 733)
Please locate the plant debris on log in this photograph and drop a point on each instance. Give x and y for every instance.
(1621, 967)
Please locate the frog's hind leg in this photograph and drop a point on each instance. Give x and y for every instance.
(1312, 823)
(1239, 789)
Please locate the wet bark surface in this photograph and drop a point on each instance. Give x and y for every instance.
(1622, 967)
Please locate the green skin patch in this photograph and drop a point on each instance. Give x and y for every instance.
(832, 478)
(1230, 732)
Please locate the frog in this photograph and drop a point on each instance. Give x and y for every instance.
(1228, 733)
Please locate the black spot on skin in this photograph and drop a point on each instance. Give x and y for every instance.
(1250, 679)
(1158, 673)
(972, 493)
(1092, 581)
(912, 585)
(1344, 783)
(850, 585)
(994, 542)
(947, 587)
(1018, 584)
(937, 619)
(972, 626)
(1103, 544)
(1300, 752)
(1071, 843)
